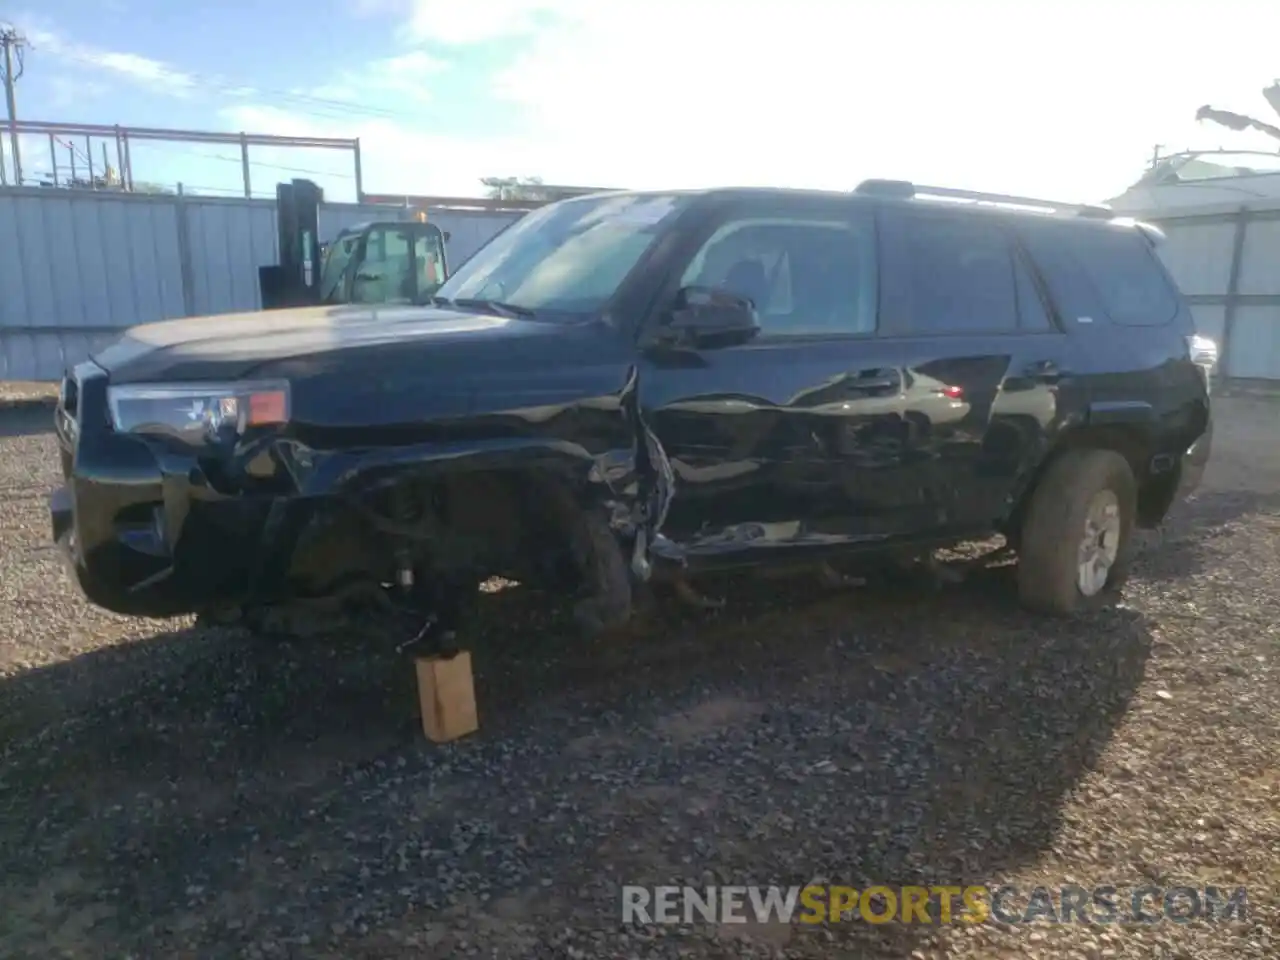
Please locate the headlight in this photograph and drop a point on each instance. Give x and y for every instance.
(198, 412)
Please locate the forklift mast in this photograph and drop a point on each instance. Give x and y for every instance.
(383, 261)
(294, 281)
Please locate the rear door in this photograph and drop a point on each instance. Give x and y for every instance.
(986, 360)
(1123, 309)
(1131, 330)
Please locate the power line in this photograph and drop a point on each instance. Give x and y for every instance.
(259, 164)
(79, 154)
(332, 109)
(322, 107)
(263, 164)
(124, 136)
(74, 150)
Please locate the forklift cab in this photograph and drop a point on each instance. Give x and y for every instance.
(384, 262)
(393, 261)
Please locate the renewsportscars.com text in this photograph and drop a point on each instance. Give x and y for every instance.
(931, 905)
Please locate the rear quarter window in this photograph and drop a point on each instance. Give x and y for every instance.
(1123, 270)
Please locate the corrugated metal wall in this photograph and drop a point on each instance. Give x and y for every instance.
(1227, 262)
(227, 242)
(77, 267)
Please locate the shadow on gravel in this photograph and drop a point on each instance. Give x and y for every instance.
(1193, 527)
(25, 420)
(253, 793)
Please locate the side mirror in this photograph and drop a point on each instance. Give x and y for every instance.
(708, 316)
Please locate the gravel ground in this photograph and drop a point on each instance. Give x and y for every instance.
(25, 392)
(167, 792)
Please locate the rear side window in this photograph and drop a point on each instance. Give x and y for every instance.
(1122, 268)
(954, 276)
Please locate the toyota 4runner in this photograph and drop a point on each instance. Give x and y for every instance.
(630, 386)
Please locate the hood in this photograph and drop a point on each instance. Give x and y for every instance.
(235, 345)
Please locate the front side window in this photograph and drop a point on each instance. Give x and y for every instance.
(569, 257)
(805, 276)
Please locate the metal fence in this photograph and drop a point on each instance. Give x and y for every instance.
(1227, 263)
(76, 267)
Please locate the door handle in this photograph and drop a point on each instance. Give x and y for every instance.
(1043, 370)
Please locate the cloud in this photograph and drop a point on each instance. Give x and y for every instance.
(402, 78)
(67, 92)
(395, 159)
(452, 23)
(130, 66)
(139, 68)
(990, 94)
(405, 76)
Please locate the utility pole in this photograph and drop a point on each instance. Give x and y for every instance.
(14, 45)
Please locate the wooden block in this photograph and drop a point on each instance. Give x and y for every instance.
(447, 696)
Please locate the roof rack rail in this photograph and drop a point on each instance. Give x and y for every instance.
(905, 189)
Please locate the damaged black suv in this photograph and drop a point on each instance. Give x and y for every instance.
(629, 387)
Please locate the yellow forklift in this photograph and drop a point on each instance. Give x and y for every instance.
(383, 261)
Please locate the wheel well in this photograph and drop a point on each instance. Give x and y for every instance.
(515, 523)
(518, 524)
(1155, 493)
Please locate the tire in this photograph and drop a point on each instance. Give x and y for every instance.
(1050, 579)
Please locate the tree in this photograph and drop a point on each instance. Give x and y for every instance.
(1240, 121)
(514, 188)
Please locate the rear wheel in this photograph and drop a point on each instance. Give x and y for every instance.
(1076, 538)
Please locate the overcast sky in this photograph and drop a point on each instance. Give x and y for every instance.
(1056, 100)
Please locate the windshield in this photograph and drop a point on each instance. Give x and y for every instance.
(568, 257)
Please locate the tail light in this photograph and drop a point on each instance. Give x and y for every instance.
(1204, 354)
(1202, 351)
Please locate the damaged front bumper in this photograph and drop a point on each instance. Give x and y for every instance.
(143, 530)
(160, 529)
